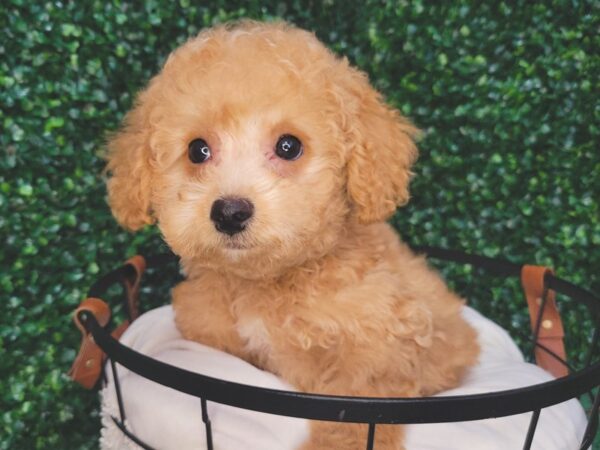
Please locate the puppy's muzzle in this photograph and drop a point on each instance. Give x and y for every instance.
(230, 215)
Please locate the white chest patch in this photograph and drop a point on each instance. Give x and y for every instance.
(254, 332)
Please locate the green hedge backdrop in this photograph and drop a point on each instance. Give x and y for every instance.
(507, 93)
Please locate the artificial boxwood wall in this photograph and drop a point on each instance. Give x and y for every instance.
(506, 92)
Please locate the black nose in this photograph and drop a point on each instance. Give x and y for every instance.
(230, 215)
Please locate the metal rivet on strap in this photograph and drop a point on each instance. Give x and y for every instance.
(89, 363)
(547, 324)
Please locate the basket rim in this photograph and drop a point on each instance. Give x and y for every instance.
(379, 410)
(373, 410)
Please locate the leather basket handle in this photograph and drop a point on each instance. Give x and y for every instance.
(87, 367)
(132, 282)
(547, 322)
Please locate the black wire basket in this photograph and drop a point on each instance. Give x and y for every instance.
(581, 381)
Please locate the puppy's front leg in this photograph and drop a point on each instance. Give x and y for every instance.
(202, 314)
(346, 436)
(351, 436)
(349, 373)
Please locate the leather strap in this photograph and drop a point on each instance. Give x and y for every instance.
(88, 364)
(132, 282)
(87, 367)
(550, 326)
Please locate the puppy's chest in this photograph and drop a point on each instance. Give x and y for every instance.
(254, 333)
(260, 323)
(268, 322)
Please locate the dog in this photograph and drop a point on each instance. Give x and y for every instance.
(270, 166)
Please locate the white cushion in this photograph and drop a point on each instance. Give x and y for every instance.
(168, 419)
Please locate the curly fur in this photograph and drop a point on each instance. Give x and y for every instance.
(317, 289)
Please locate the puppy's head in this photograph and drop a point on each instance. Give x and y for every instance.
(255, 148)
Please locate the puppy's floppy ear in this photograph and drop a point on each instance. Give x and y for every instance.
(129, 186)
(382, 150)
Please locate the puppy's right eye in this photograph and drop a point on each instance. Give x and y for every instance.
(198, 151)
(289, 147)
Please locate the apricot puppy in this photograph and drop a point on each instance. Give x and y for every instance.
(270, 166)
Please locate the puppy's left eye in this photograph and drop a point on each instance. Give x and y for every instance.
(289, 147)
(198, 151)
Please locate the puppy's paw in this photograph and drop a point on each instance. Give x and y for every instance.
(349, 436)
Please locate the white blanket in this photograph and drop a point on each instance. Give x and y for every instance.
(167, 419)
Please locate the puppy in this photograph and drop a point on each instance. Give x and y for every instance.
(270, 166)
